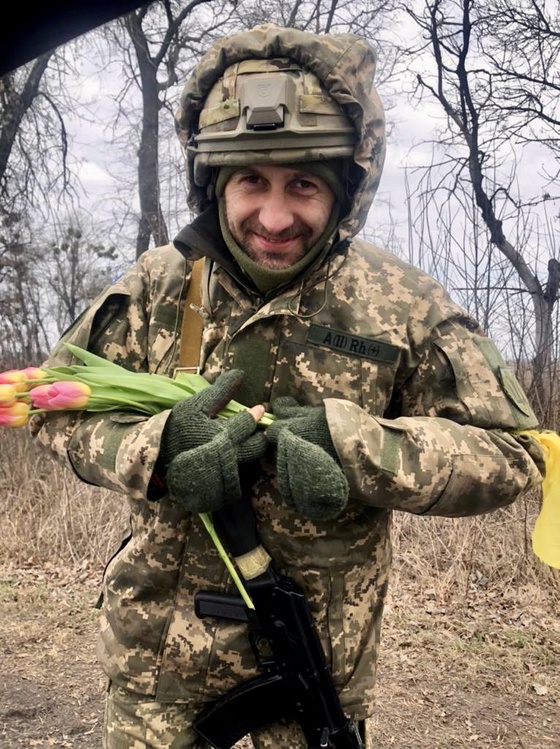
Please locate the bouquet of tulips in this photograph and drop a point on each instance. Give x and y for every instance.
(95, 385)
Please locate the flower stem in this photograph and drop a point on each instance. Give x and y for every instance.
(206, 518)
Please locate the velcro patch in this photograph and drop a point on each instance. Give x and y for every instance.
(514, 390)
(347, 343)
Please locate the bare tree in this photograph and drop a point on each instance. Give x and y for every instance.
(14, 104)
(22, 333)
(521, 41)
(44, 285)
(474, 76)
(74, 270)
(31, 129)
(166, 37)
(318, 16)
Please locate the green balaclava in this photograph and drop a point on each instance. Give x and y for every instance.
(267, 279)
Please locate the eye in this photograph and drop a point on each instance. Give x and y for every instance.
(249, 179)
(305, 185)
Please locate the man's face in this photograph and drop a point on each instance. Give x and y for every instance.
(276, 214)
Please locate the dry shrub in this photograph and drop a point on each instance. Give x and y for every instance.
(51, 516)
(48, 514)
(450, 558)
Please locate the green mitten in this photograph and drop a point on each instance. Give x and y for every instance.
(310, 478)
(307, 422)
(192, 423)
(206, 477)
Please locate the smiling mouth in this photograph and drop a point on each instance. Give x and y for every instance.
(278, 243)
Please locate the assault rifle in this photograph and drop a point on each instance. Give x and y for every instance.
(296, 682)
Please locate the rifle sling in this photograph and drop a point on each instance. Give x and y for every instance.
(192, 326)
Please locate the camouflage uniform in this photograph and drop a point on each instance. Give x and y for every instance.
(421, 408)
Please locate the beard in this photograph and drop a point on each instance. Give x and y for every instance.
(273, 260)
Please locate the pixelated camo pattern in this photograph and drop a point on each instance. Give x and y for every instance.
(345, 65)
(385, 348)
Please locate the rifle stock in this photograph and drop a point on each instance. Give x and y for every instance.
(249, 707)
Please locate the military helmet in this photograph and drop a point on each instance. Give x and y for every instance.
(267, 111)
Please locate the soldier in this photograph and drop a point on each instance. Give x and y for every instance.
(387, 395)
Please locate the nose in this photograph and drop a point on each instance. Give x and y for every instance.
(276, 214)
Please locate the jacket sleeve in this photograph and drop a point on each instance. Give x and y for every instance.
(453, 446)
(117, 450)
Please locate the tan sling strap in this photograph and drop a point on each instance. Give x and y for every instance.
(191, 329)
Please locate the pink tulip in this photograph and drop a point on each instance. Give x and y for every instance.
(69, 395)
(7, 395)
(14, 377)
(14, 416)
(40, 396)
(61, 395)
(34, 373)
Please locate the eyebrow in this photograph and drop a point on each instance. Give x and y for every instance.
(255, 170)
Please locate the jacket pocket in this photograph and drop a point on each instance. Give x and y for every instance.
(311, 373)
(123, 544)
(96, 318)
(354, 620)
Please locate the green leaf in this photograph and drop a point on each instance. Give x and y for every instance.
(196, 381)
(88, 358)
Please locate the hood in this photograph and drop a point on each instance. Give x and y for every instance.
(345, 65)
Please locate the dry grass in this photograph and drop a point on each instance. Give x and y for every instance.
(48, 514)
(51, 517)
(451, 558)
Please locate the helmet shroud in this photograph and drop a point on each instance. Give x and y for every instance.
(267, 112)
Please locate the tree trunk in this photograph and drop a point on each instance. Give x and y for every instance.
(151, 222)
(15, 104)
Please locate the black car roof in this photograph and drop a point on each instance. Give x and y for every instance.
(28, 30)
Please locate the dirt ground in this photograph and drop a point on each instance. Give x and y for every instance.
(482, 674)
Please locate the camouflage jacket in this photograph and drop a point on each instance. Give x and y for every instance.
(421, 408)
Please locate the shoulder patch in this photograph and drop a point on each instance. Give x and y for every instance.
(514, 391)
(507, 379)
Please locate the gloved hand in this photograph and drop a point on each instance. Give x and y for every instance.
(201, 454)
(310, 478)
